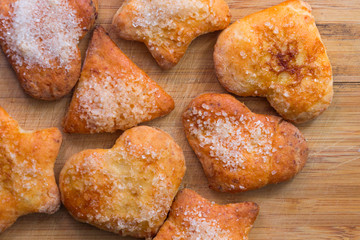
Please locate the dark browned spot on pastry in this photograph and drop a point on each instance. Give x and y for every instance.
(283, 60)
(94, 7)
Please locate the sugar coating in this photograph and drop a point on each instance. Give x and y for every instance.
(41, 32)
(19, 173)
(155, 19)
(160, 13)
(116, 100)
(199, 225)
(231, 138)
(193, 217)
(120, 184)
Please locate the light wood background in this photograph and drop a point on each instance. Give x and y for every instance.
(322, 202)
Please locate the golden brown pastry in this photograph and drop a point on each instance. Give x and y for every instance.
(167, 27)
(278, 54)
(240, 150)
(40, 39)
(127, 189)
(113, 93)
(194, 217)
(27, 182)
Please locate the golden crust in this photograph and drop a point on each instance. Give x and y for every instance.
(51, 79)
(277, 53)
(27, 182)
(113, 93)
(127, 189)
(168, 27)
(194, 217)
(240, 150)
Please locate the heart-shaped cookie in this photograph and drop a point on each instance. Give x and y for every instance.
(127, 189)
(40, 39)
(240, 150)
(278, 54)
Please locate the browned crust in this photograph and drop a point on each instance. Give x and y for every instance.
(168, 56)
(287, 157)
(51, 83)
(103, 55)
(90, 186)
(277, 53)
(19, 152)
(236, 218)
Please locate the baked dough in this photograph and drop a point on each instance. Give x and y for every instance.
(194, 217)
(113, 93)
(27, 182)
(240, 150)
(127, 189)
(167, 27)
(278, 54)
(40, 39)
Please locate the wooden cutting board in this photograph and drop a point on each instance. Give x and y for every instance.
(322, 202)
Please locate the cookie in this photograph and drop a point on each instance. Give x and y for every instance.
(238, 149)
(167, 27)
(194, 217)
(40, 39)
(113, 93)
(127, 189)
(278, 54)
(27, 182)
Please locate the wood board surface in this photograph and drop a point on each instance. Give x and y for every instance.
(322, 202)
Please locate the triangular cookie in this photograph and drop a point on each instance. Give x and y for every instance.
(113, 93)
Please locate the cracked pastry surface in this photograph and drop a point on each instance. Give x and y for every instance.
(168, 27)
(27, 182)
(238, 149)
(127, 189)
(278, 54)
(40, 39)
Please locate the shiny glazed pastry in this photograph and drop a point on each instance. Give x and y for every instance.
(240, 150)
(194, 217)
(40, 39)
(167, 27)
(27, 182)
(113, 93)
(278, 54)
(127, 189)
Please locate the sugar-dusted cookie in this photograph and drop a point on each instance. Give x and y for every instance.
(194, 217)
(127, 189)
(278, 54)
(113, 93)
(27, 182)
(167, 27)
(240, 150)
(40, 39)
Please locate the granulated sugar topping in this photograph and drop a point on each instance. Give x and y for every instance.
(41, 32)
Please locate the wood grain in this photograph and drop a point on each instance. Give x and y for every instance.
(322, 202)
